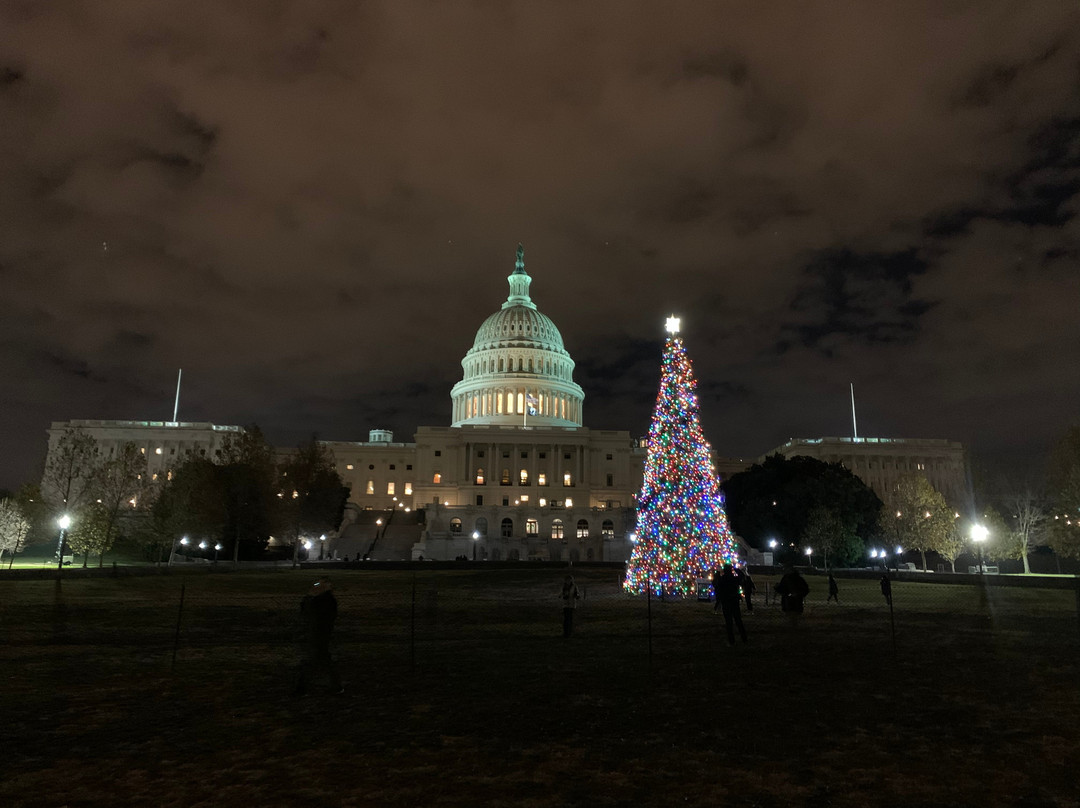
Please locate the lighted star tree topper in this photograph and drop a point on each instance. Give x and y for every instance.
(682, 529)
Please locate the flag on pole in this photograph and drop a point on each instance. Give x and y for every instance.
(530, 404)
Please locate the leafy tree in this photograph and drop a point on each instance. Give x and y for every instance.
(951, 543)
(116, 486)
(828, 534)
(311, 494)
(1063, 479)
(922, 521)
(14, 528)
(248, 480)
(37, 511)
(192, 503)
(70, 471)
(775, 499)
(91, 531)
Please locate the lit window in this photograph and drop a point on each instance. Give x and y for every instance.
(408, 489)
(543, 502)
(532, 527)
(455, 525)
(524, 497)
(567, 480)
(607, 530)
(157, 451)
(371, 486)
(582, 529)
(154, 477)
(143, 450)
(436, 478)
(505, 477)
(523, 475)
(349, 466)
(556, 528)
(569, 503)
(389, 489)
(541, 479)
(479, 476)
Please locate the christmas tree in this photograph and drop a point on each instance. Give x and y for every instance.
(682, 529)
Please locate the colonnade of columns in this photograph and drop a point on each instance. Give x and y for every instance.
(503, 401)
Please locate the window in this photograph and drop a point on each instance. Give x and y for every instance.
(607, 529)
(569, 503)
(371, 486)
(371, 467)
(523, 475)
(349, 466)
(567, 480)
(157, 451)
(479, 499)
(479, 476)
(481, 524)
(408, 467)
(436, 478)
(506, 454)
(532, 527)
(389, 489)
(480, 453)
(610, 480)
(582, 529)
(543, 455)
(541, 479)
(506, 501)
(408, 489)
(455, 526)
(556, 529)
(609, 457)
(507, 528)
(438, 453)
(524, 455)
(566, 456)
(505, 479)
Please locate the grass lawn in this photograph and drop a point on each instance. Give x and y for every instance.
(466, 694)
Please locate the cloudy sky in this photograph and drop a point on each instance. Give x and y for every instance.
(311, 207)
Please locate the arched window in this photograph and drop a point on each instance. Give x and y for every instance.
(532, 527)
(479, 476)
(607, 530)
(481, 526)
(496, 554)
(556, 529)
(436, 478)
(523, 475)
(455, 526)
(507, 528)
(582, 529)
(505, 479)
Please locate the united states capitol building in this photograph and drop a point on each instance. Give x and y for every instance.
(516, 475)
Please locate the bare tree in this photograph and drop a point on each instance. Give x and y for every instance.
(13, 527)
(116, 486)
(1027, 520)
(70, 471)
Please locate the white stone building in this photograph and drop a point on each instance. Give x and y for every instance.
(515, 476)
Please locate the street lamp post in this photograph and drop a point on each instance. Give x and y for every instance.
(810, 555)
(475, 541)
(978, 536)
(64, 522)
(217, 549)
(322, 546)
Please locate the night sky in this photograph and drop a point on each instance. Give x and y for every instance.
(311, 207)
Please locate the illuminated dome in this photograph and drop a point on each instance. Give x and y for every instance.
(517, 372)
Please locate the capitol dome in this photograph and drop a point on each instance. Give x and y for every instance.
(517, 371)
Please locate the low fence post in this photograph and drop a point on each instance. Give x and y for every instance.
(176, 636)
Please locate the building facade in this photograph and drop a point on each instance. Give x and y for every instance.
(881, 462)
(516, 475)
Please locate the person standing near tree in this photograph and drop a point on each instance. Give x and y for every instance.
(319, 608)
(793, 590)
(570, 597)
(748, 588)
(728, 594)
(834, 590)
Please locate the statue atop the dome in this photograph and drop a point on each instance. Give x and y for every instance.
(519, 265)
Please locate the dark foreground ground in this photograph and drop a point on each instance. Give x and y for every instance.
(465, 694)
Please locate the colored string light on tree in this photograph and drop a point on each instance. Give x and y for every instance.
(682, 528)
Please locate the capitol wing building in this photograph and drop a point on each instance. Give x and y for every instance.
(516, 476)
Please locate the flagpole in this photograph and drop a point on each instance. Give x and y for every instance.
(176, 405)
(525, 410)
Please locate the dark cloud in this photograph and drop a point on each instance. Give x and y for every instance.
(311, 208)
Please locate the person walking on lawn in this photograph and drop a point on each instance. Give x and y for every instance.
(570, 597)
